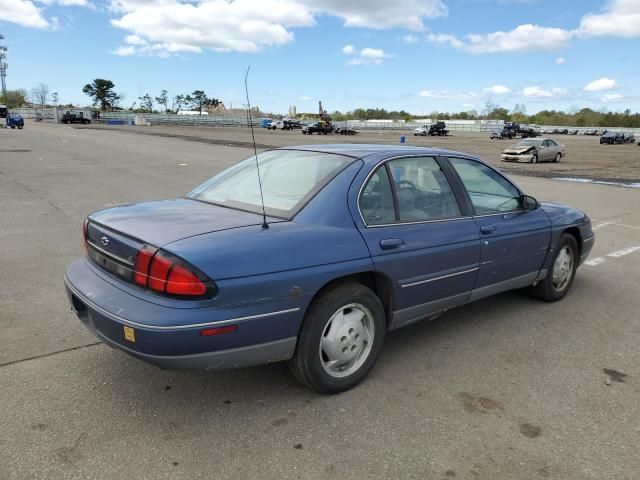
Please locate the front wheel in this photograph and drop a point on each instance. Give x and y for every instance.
(340, 340)
(534, 158)
(424, 134)
(562, 272)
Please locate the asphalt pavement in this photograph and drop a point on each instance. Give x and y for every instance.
(505, 388)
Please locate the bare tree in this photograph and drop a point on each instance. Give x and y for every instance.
(40, 94)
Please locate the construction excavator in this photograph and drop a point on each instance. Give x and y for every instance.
(323, 125)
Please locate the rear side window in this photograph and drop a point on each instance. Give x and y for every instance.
(490, 192)
(422, 190)
(376, 201)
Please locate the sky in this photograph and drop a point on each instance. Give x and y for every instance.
(417, 55)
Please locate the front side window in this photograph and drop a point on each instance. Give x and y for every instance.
(422, 190)
(290, 178)
(490, 192)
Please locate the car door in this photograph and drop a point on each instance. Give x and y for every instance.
(419, 236)
(553, 148)
(514, 241)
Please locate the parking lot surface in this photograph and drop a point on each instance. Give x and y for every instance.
(505, 388)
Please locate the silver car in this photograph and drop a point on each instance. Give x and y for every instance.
(534, 150)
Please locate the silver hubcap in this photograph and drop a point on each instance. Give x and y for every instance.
(346, 341)
(562, 269)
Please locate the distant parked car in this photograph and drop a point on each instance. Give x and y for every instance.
(319, 127)
(573, 132)
(74, 118)
(611, 138)
(345, 131)
(534, 151)
(439, 129)
(505, 133)
(15, 121)
(628, 137)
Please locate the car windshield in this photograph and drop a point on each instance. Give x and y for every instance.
(528, 143)
(290, 178)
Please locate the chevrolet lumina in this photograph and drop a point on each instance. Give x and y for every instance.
(355, 241)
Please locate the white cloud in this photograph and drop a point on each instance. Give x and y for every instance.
(497, 90)
(22, 12)
(444, 39)
(125, 51)
(410, 39)
(251, 25)
(620, 18)
(560, 61)
(613, 98)
(348, 50)
(601, 84)
(305, 98)
(372, 53)
(379, 13)
(523, 38)
(66, 3)
(366, 56)
(537, 92)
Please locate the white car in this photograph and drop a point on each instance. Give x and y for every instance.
(420, 131)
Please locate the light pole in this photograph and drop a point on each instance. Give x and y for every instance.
(3, 69)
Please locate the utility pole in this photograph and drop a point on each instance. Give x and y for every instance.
(3, 69)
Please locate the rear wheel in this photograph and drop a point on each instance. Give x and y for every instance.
(340, 340)
(563, 270)
(424, 134)
(558, 157)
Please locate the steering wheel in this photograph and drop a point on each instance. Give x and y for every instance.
(408, 183)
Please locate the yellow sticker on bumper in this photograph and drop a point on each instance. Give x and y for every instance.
(129, 333)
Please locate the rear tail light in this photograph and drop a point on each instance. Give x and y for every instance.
(165, 273)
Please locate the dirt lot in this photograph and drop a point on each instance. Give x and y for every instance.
(586, 157)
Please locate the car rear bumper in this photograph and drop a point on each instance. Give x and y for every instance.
(121, 320)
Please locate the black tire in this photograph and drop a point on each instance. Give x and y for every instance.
(12, 127)
(424, 134)
(557, 158)
(546, 290)
(306, 363)
(20, 127)
(534, 159)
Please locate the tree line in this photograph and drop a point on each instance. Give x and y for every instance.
(102, 93)
(573, 117)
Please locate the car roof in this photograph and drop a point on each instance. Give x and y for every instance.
(364, 150)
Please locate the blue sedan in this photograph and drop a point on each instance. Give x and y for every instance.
(353, 241)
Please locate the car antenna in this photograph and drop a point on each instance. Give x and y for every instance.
(255, 150)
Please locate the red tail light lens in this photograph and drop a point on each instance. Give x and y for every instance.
(165, 273)
(183, 282)
(143, 260)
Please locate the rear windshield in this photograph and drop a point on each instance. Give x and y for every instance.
(290, 178)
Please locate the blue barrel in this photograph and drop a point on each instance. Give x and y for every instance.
(403, 139)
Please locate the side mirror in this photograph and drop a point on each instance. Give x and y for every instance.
(530, 203)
